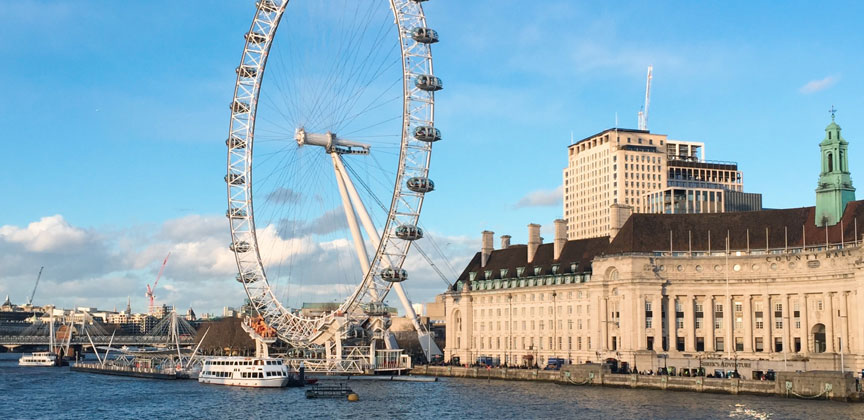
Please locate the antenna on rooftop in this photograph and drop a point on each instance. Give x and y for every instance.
(643, 114)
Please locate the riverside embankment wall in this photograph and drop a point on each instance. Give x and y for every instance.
(815, 385)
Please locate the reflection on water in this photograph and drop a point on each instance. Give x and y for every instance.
(52, 393)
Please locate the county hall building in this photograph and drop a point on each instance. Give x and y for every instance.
(757, 290)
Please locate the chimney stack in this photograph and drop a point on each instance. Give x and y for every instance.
(505, 241)
(618, 215)
(533, 241)
(486, 247)
(560, 237)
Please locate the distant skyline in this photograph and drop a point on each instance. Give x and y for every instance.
(116, 115)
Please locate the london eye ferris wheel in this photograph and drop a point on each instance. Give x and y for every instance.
(334, 143)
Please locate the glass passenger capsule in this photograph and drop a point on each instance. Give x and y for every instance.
(420, 184)
(240, 107)
(235, 142)
(425, 35)
(266, 6)
(241, 246)
(235, 213)
(255, 37)
(394, 275)
(427, 133)
(248, 278)
(247, 71)
(234, 178)
(428, 83)
(409, 232)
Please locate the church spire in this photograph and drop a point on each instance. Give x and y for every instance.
(835, 182)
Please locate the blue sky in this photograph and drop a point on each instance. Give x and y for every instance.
(116, 113)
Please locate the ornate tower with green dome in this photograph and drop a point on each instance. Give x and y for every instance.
(835, 182)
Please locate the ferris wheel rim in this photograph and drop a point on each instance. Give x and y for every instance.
(252, 274)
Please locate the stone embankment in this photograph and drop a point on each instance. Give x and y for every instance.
(808, 385)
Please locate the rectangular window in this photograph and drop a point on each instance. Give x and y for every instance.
(679, 323)
(759, 345)
(778, 344)
(680, 344)
(700, 343)
(718, 344)
(718, 323)
(797, 344)
(739, 307)
(578, 343)
(778, 323)
(589, 343)
(648, 322)
(739, 343)
(739, 322)
(698, 323)
(819, 306)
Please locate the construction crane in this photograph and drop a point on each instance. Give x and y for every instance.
(643, 114)
(150, 290)
(39, 276)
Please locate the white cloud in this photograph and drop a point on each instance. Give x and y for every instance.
(541, 198)
(49, 234)
(101, 268)
(814, 86)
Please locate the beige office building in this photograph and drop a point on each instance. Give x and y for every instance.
(618, 172)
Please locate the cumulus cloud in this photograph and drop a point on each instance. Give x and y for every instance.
(49, 234)
(814, 86)
(541, 198)
(102, 267)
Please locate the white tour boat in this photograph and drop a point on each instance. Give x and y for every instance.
(257, 372)
(41, 358)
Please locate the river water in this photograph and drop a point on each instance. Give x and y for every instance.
(58, 393)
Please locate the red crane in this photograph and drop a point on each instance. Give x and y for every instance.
(149, 293)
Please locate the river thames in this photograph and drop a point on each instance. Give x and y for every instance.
(58, 393)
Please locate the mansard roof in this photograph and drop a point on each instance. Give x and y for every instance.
(786, 227)
(581, 252)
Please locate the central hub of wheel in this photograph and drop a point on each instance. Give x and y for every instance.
(330, 142)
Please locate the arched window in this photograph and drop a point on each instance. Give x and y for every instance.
(830, 162)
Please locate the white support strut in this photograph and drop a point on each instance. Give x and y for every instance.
(373, 235)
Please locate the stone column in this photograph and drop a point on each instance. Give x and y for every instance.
(748, 324)
(769, 311)
(672, 331)
(844, 310)
(788, 323)
(604, 324)
(467, 329)
(805, 326)
(708, 322)
(689, 324)
(830, 340)
(639, 327)
(657, 321)
(729, 313)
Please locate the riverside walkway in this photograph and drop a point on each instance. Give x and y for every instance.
(807, 385)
